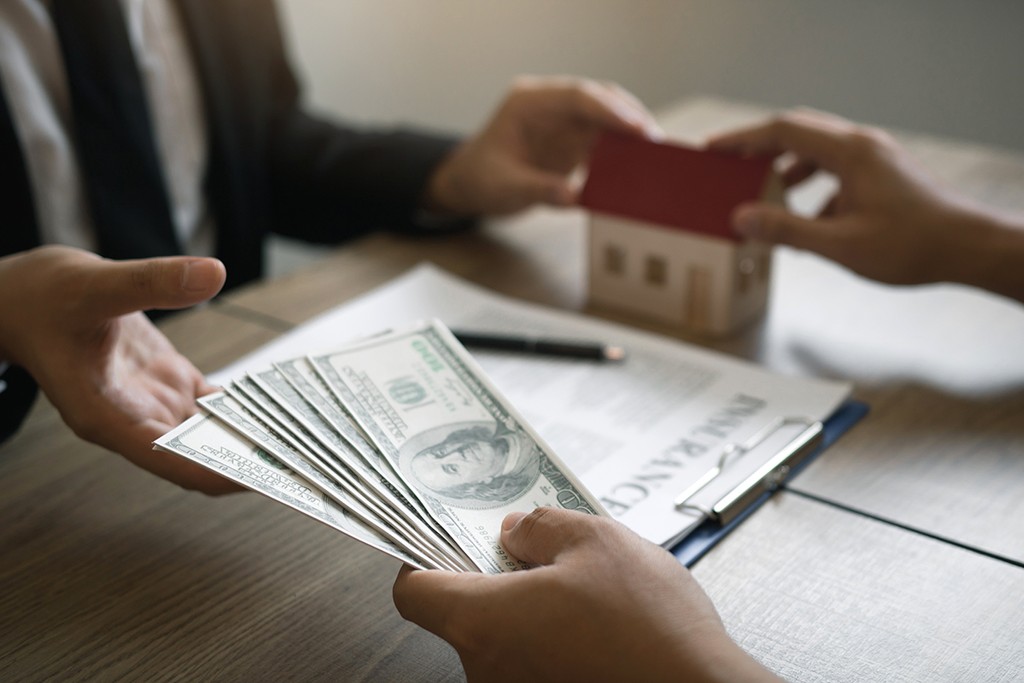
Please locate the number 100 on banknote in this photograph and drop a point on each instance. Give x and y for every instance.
(444, 429)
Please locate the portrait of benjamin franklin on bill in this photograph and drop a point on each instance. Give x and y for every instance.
(472, 465)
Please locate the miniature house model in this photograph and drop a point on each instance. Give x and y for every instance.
(661, 242)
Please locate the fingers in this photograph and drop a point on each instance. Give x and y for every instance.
(190, 476)
(776, 225)
(134, 442)
(426, 597)
(120, 287)
(430, 597)
(651, 128)
(797, 172)
(204, 388)
(544, 534)
(831, 207)
(614, 108)
(816, 138)
(526, 186)
(601, 104)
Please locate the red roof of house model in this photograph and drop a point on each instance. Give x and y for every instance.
(672, 185)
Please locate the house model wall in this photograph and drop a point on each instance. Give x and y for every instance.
(660, 242)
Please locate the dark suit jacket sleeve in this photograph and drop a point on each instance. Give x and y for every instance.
(331, 181)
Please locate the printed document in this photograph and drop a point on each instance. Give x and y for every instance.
(636, 433)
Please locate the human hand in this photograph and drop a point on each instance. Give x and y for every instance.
(604, 605)
(73, 321)
(543, 130)
(888, 221)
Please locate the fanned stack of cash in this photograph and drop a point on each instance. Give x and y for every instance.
(399, 441)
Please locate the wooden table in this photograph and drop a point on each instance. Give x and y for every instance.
(897, 556)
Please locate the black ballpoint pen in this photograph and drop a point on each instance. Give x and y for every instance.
(564, 348)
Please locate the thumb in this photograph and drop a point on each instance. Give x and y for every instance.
(121, 287)
(427, 597)
(529, 186)
(776, 225)
(541, 536)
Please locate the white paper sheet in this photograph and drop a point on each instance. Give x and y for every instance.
(637, 433)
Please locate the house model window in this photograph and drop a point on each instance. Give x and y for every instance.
(660, 240)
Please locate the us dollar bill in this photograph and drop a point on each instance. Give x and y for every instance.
(253, 427)
(455, 441)
(342, 466)
(308, 384)
(295, 395)
(206, 442)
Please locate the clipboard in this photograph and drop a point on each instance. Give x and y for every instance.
(739, 503)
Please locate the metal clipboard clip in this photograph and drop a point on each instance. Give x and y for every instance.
(767, 477)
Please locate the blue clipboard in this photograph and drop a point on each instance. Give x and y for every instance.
(702, 539)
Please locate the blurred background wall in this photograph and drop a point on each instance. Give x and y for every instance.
(949, 67)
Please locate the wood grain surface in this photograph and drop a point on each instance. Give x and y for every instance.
(820, 595)
(111, 574)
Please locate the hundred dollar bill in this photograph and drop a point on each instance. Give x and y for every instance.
(342, 466)
(243, 421)
(455, 441)
(203, 440)
(307, 383)
(295, 395)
